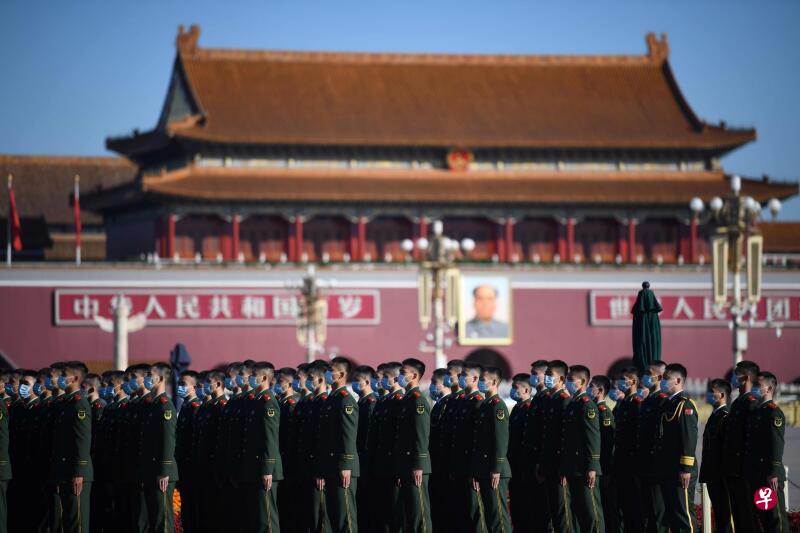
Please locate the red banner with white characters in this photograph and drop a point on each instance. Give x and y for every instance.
(209, 307)
(692, 308)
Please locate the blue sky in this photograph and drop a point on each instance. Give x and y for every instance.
(75, 72)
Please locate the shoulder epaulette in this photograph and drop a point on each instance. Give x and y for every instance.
(164, 399)
(585, 399)
(398, 396)
(291, 401)
(195, 404)
(478, 397)
(251, 396)
(223, 402)
(148, 399)
(97, 403)
(495, 401)
(324, 395)
(461, 396)
(772, 405)
(266, 397)
(343, 392)
(528, 405)
(662, 394)
(751, 398)
(77, 397)
(638, 398)
(602, 407)
(564, 394)
(416, 394)
(370, 399)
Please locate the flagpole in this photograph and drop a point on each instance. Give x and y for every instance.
(77, 210)
(8, 224)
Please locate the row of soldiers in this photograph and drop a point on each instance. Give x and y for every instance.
(326, 447)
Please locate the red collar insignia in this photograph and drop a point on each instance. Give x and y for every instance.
(266, 397)
(164, 399)
(343, 392)
(251, 396)
(584, 399)
(417, 394)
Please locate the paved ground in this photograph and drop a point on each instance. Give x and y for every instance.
(791, 458)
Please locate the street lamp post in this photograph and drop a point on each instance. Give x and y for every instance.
(312, 316)
(736, 217)
(438, 275)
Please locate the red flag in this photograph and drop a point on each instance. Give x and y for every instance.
(13, 219)
(76, 207)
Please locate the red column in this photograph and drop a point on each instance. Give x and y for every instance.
(570, 239)
(631, 240)
(693, 240)
(169, 250)
(561, 241)
(298, 237)
(622, 242)
(500, 243)
(362, 237)
(509, 239)
(235, 237)
(353, 248)
(422, 233)
(291, 241)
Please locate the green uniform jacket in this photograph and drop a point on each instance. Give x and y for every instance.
(763, 456)
(516, 430)
(580, 437)
(677, 438)
(413, 435)
(260, 450)
(311, 444)
(205, 431)
(286, 433)
(714, 446)
(532, 433)
(735, 432)
(339, 427)
(385, 413)
(649, 428)
(159, 423)
(113, 416)
(437, 434)
(5, 460)
(366, 406)
(72, 440)
(608, 428)
(550, 454)
(466, 417)
(489, 452)
(448, 424)
(183, 438)
(626, 435)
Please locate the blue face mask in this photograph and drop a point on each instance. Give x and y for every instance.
(251, 380)
(62, 382)
(756, 392)
(309, 384)
(295, 383)
(482, 385)
(447, 381)
(664, 385)
(514, 394)
(534, 380)
(240, 380)
(462, 381)
(24, 390)
(373, 382)
(622, 385)
(207, 388)
(735, 381)
(549, 382)
(401, 380)
(356, 386)
(200, 391)
(572, 388)
(433, 391)
(385, 383)
(614, 395)
(48, 383)
(229, 383)
(710, 398)
(37, 389)
(133, 386)
(278, 389)
(9, 389)
(329, 377)
(647, 381)
(148, 383)
(592, 396)
(182, 391)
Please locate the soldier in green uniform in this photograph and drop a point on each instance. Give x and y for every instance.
(71, 461)
(311, 448)
(412, 457)
(489, 468)
(25, 439)
(454, 490)
(288, 496)
(580, 453)
(5, 461)
(49, 417)
(338, 451)
(519, 486)
(387, 493)
(675, 452)
(99, 505)
(598, 389)
(557, 495)
(649, 468)
(112, 462)
(468, 510)
(739, 491)
(204, 432)
(713, 449)
(763, 457)
(361, 384)
(187, 470)
(437, 485)
(532, 443)
(625, 472)
(259, 469)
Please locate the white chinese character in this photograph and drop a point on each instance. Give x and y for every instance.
(349, 306)
(777, 309)
(254, 307)
(154, 307)
(220, 305)
(711, 311)
(85, 307)
(766, 497)
(284, 307)
(619, 307)
(187, 307)
(683, 306)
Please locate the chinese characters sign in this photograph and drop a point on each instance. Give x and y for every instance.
(204, 307)
(691, 308)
